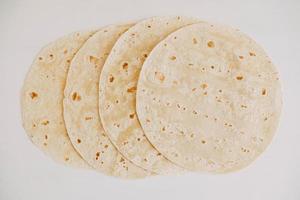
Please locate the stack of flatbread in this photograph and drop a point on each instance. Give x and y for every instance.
(163, 96)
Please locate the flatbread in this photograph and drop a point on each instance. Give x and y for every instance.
(81, 106)
(42, 97)
(209, 98)
(118, 82)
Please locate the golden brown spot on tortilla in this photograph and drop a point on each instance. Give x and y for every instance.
(93, 59)
(193, 89)
(172, 57)
(205, 93)
(132, 89)
(106, 146)
(33, 95)
(147, 120)
(51, 56)
(88, 118)
(264, 91)
(163, 129)
(149, 26)
(145, 159)
(203, 86)
(46, 137)
(97, 155)
(40, 58)
(265, 119)
(76, 97)
(252, 54)
(125, 65)
(194, 112)
(212, 67)
(243, 106)
(145, 55)
(45, 144)
(211, 44)
(68, 61)
(138, 139)
(46, 122)
(203, 141)
(122, 160)
(131, 116)
(160, 76)
(65, 51)
(239, 78)
(195, 41)
(67, 159)
(241, 57)
(111, 78)
(78, 141)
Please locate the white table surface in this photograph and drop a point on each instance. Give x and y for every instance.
(27, 174)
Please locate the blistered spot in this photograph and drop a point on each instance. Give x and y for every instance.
(245, 150)
(239, 78)
(33, 95)
(132, 89)
(76, 97)
(88, 118)
(172, 57)
(252, 54)
(125, 65)
(78, 141)
(131, 116)
(263, 91)
(211, 44)
(195, 41)
(111, 78)
(46, 122)
(241, 57)
(160, 76)
(97, 155)
(203, 85)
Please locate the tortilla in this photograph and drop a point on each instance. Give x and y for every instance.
(81, 107)
(118, 83)
(209, 98)
(42, 98)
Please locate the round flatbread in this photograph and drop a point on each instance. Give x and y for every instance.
(209, 98)
(81, 106)
(42, 99)
(118, 83)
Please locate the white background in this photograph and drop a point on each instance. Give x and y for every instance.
(26, 174)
